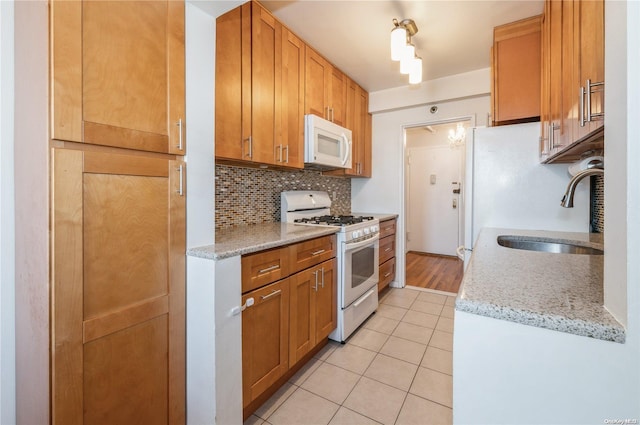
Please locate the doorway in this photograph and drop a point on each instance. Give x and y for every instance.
(434, 172)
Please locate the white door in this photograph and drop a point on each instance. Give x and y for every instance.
(433, 172)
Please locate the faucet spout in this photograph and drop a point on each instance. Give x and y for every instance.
(567, 199)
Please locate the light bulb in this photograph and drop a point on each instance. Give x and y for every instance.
(415, 75)
(398, 41)
(407, 59)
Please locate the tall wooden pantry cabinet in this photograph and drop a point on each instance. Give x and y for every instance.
(117, 212)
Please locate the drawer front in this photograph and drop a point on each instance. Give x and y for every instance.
(387, 273)
(387, 228)
(309, 253)
(264, 267)
(387, 248)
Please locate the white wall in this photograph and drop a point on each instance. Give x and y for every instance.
(460, 86)
(7, 219)
(31, 135)
(508, 373)
(202, 295)
(383, 192)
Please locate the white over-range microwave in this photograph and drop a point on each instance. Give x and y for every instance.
(326, 145)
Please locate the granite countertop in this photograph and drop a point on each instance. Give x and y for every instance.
(257, 237)
(561, 292)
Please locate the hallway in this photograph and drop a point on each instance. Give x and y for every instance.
(434, 271)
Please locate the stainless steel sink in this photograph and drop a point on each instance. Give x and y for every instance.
(546, 245)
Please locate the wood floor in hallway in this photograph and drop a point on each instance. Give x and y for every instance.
(434, 271)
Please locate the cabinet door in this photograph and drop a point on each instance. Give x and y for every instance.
(317, 84)
(556, 63)
(118, 306)
(338, 96)
(118, 71)
(516, 71)
(302, 313)
(265, 339)
(266, 50)
(326, 316)
(364, 133)
(232, 57)
(589, 59)
(313, 308)
(290, 146)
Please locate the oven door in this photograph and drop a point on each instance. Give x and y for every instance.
(360, 270)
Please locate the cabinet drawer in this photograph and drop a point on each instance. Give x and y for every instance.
(387, 273)
(387, 228)
(312, 252)
(264, 267)
(387, 248)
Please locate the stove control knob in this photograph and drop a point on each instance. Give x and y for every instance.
(354, 235)
(375, 229)
(366, 230)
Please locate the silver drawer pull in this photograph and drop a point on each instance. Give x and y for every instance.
(318, 252)
(268, 269)
(387, 250)
(264, 297)
(387, 275)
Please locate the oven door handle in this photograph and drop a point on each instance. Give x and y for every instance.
(350, 246)
(367, 295)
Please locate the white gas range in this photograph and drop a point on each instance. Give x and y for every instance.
(357, 256)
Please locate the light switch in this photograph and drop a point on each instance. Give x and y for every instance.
(432, 179)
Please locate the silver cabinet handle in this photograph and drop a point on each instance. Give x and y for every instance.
(274, 293)
(279, 149)
(286, 158)
(387, 250)
(590, 89)
(268, 269)
(315, 275)
(179, 124)
(318, 252)
(552, 138)
(250, 150)
(322, 274)
(180, 190)
(581, 107)
(387, 275)
(333, 118)
(326, 114)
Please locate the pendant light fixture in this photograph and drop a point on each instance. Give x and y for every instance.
(404, 51)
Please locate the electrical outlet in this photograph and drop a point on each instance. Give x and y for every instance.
(334, 195)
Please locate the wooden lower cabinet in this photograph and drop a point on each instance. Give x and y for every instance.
(118, 289)
(313, 308)
(290, 318)
(387, 273)
(265, 339)
(387, 260)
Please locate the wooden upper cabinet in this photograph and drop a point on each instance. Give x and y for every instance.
(259, 89)
(326, 89)
(317, 84)
(338, 96)
(118, 74)
(589, 64)
(573, 65)
(516, 72)
(358, 120)
(266, 47)
(117, 289)
(290, 142)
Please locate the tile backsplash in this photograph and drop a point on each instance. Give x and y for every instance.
(597, 204)
(252, 195)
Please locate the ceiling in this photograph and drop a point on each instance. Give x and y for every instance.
(454, 36)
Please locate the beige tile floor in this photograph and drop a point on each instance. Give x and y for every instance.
(395, 369)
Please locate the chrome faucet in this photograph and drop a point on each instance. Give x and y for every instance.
(567, 199)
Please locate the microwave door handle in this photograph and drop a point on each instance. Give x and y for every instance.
(346, 148)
